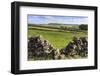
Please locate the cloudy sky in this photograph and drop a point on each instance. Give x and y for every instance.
(42, 19)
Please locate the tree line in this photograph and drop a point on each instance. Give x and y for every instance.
(75, 28)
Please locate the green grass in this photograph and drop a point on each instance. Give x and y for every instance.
(58, 39)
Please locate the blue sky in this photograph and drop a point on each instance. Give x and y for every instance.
(42, 19)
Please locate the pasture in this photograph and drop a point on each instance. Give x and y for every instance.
(56, 37)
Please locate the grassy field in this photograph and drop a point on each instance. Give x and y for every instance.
(58, 39)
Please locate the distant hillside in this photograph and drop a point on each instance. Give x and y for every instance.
(54, 24)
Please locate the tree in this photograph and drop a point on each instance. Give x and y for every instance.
(83, 27)
(63, 27)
